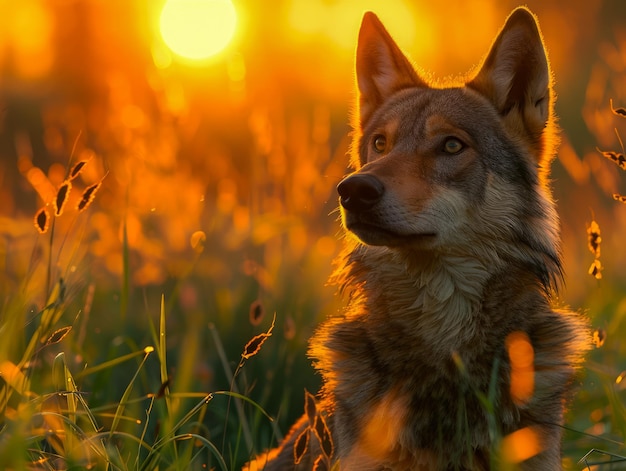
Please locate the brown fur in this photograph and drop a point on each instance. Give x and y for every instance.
(449, 348)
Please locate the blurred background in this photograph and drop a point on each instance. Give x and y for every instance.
(244, 149)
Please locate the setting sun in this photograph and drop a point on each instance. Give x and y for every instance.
(197, 29)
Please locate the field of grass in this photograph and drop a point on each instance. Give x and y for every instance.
(209, 366)
(155, 310)
(180, 377)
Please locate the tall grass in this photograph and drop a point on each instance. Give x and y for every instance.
(125, 339)
(75, 396)
(129, 349)
(48, 421)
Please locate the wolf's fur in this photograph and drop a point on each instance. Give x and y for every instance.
(453, 254)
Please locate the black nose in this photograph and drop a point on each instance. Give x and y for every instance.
(360, 192)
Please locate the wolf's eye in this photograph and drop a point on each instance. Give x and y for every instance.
(380, 143)
(453, 146)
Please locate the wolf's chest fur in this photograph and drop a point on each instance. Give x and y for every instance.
(420, 357)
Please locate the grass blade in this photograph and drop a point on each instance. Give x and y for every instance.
(162, 354)
(127, 392)
(148, 464)
(247, 434)
(111, 363)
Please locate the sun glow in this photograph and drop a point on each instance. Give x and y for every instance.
(198, 29)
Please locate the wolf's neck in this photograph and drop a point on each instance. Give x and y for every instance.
(429, 296)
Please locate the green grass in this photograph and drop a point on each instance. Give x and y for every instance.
(130, 381)
(106, 373)
(107, 386)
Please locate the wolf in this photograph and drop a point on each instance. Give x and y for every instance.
(449, 354)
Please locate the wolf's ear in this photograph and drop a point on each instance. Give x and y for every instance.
(516, 77)
(381, 67)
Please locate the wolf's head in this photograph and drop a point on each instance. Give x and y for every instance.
(454, 169)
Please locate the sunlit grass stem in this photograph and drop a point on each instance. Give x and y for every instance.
(233, 387)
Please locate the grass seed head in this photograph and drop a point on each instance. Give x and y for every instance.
(324, 437)
(61, 197)
(42, 220)
(595, 269)
(301, 446)
(594, 238)
(599, 337)
(76, 169)
(254, 345)
(620, 198)
(88, 195)
(616, 157)
(257, 313)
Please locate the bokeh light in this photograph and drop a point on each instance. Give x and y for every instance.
(198, 29)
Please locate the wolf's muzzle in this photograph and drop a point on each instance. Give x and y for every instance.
(360, 192)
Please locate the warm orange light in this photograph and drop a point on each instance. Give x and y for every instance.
(340, 21)
(30, 30)
(521, 356)
(521, 445)
(198, 29)
(381, 430)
